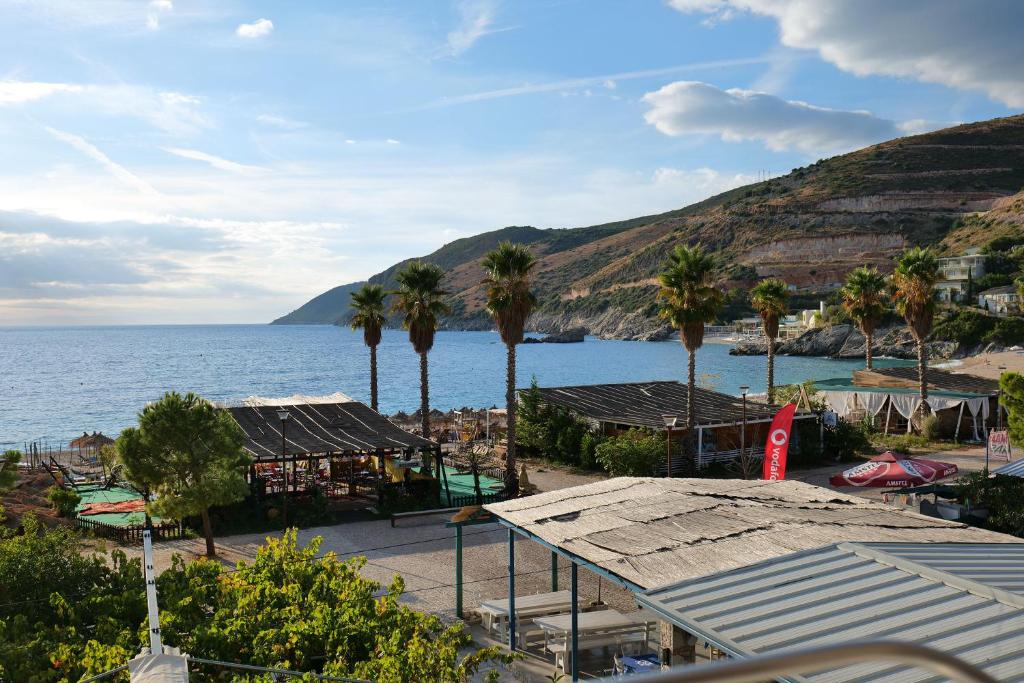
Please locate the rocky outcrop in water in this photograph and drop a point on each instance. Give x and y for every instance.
(846, 341)
(571, 336)
(610, 324)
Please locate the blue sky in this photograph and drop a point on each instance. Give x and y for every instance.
(200, 161)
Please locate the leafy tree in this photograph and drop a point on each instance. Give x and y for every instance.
(510, 302)
(554, 432)
(420, 299)
(368, 315)
(913, 282)
(689, 300)
(864, 298)
(9, 469)
(189, 454)
(770, 299)
(633, 454)
(1011, 385)
(1001, 494)
(64, 501)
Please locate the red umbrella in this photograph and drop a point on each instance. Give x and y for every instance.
(890, 470)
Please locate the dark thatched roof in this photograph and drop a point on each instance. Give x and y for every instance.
(321, 428)
(642, 404)
(940, 380)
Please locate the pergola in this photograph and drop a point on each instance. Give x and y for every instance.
(312, 432)
(646, 533)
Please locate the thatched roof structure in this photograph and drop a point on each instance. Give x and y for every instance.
(655, 532)
(94, 440)
(343, 428)
(906, 377)
(643, 404)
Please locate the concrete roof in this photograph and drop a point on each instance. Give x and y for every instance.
(964, 600)
(655, 532)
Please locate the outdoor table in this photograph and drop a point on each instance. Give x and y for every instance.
(640, 664)
(594, 629)
(494, 613)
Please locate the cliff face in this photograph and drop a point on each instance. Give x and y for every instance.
(846, 341)
(953, 188)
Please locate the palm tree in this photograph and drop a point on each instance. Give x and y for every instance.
(510, 301)
(864, 300)
(913, 290)
(770, 299)
(368, 315)
(689, 300)
(420, 299)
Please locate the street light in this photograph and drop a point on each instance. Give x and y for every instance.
(743, 425)
(284, 416)
(670, 422)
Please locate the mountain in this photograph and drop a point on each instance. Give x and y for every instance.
(954, 188)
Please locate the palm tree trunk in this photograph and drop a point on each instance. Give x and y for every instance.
(373, 378)
(691, 382)
(922, 375)
(771, 370)
(869, 338)
(511, 476)
(211, 551)
(424, 397)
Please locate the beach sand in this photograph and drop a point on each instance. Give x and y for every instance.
(990, 365)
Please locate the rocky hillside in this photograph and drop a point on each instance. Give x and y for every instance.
(953, 188)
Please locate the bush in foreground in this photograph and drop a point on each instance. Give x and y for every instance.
(67, 616)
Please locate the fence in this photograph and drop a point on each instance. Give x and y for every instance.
(129, 534)
(487, 498)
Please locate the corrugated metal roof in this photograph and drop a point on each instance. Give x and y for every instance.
(1014, 469)
(655, 532)
(644, 404)
(963, 599)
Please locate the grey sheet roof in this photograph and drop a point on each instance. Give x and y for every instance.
(962, 599)
(321, 428)
(1013, 469)
(655, 532)
(643, 404)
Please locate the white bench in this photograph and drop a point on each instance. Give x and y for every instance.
(494, 613)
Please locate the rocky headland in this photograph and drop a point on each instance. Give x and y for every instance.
(846, 341)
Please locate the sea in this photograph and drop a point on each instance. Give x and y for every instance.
(56, 382)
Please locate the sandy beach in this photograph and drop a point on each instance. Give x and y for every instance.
(990, 365)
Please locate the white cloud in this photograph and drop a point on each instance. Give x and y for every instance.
(215, 161)
(475, 20)
(574, 83)
(17, 92)
(257, 29)
(392, 141)
(281, 122)
(964, 45)
(691, 107)
(118, 171)
(156, 8)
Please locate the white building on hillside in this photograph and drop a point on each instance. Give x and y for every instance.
(956, 272)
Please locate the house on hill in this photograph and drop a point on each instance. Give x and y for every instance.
(1003, 300)
(722, 421)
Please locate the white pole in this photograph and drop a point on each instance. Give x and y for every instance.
(155, 647)
(488, 435)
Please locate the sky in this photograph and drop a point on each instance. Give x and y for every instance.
(223, 161)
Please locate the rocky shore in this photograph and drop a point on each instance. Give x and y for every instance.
(846, 341)
(571, 336)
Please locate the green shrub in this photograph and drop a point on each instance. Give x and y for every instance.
(847, 440)
(1008, 332)
(64, 501)
(553, 432)
(1001, 494)
(635, 453)
(964, 326)
(931, 428)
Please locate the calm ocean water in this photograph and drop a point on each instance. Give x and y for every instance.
(59, 381)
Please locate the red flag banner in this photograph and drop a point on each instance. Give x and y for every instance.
(777, 445)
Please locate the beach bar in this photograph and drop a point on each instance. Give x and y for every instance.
(645, 534)
(723, 423)
(342, 448)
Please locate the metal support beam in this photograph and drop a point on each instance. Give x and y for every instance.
(458, 572)
(511, 590)
(575, 624)
(554, 571)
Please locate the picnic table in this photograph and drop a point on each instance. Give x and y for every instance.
(494, 613)
(594, 629)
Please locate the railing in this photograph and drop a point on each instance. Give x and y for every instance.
(487, 498)
(770, 667)
(129, 534)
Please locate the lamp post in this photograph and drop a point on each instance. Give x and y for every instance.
(670, 422)
(743, 425)
(284, 416)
